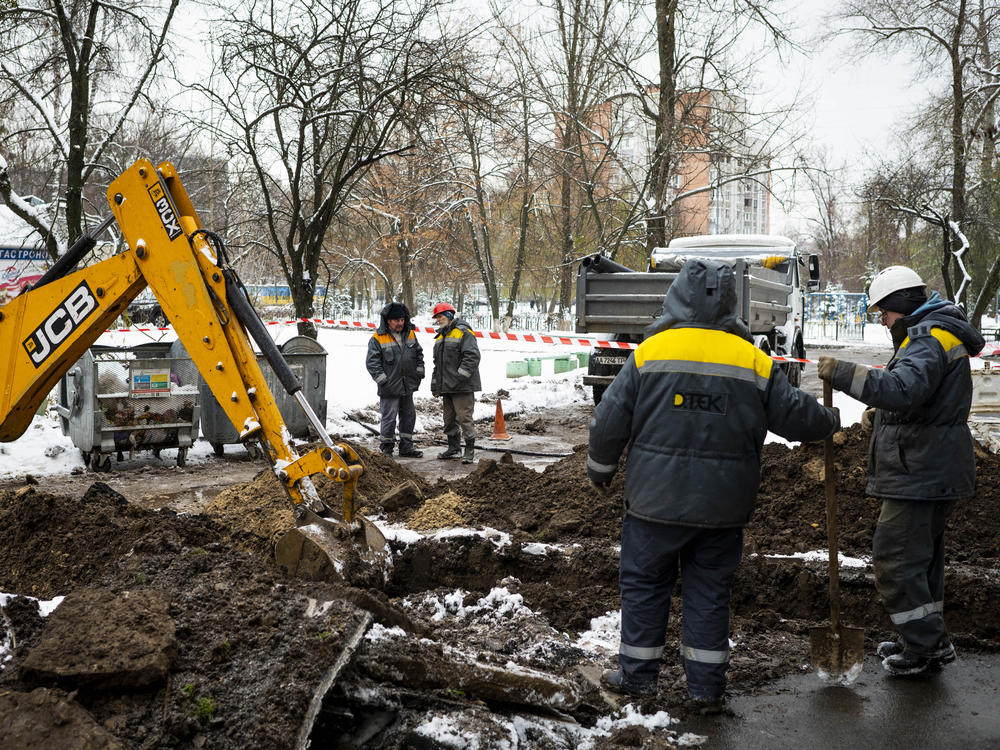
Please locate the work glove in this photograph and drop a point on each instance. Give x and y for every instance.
(868, 419)
(827, 366)
(602, 487)
(835, 411)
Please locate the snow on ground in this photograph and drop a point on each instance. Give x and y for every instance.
(824, 555)
(43, 450)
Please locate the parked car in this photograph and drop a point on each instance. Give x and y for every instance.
(145, 309)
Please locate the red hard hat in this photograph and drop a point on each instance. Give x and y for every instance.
(441, 307)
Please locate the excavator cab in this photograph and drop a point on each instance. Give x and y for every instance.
(49, 326)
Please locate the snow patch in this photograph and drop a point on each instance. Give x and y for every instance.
(824, 556)
(604, 634)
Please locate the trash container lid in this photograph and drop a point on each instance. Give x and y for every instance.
(302, 345)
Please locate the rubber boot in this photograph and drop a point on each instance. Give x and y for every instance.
(453, 451)
(470, 451)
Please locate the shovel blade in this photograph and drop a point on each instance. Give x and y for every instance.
(837, 653)
(321, 549)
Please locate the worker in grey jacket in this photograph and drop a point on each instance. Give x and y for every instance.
(693, 404)
(396, 363)
(456, 379)
(920, 460)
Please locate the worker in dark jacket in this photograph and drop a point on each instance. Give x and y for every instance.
(456, 379)
(396, 363)
(920, 460)
(693, 403)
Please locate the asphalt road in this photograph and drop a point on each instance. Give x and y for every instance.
(955, 709)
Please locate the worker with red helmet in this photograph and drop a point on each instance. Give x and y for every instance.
(456, 379)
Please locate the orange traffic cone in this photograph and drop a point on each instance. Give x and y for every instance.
(499, 428)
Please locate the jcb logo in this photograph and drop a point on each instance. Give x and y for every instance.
(165, 209)
(60, 323)
(708, 403)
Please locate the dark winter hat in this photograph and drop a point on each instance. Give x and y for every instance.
(449, 314)
(396, 310)
(904, 301)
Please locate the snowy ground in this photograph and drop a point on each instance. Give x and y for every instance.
(44, 450)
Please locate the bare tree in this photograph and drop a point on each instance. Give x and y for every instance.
(699, 101)
(955, 36)
(313, 96)
(576, 76)
(62, 63)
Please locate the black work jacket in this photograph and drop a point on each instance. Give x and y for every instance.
(397, 368)
(694, 403)
(921, 447)
(456, 360)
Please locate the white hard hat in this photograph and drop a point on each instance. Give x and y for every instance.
(889, 280)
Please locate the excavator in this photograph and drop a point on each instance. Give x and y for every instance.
(50, 325)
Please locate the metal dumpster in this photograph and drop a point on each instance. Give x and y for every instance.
(117, 399)
(307, 358)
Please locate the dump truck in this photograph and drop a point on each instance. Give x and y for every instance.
(773, 279)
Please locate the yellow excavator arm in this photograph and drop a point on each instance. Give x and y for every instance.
(47, 328)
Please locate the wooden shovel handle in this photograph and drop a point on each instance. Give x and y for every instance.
(831, 516)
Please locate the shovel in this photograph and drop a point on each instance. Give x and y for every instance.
(838, 650)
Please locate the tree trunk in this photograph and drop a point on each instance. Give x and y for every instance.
(406, 274)
(662, 167)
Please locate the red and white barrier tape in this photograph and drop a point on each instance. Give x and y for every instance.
(531, 338)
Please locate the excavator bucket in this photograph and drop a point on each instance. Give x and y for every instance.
(326, 548)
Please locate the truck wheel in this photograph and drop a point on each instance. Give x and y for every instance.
(599, 393)
(793, 370)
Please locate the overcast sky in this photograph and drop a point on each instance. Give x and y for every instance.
(857, 102)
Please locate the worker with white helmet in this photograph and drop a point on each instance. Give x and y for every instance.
(920, 459)
(456, 379)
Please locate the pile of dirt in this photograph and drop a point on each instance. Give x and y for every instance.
(261, 507)
(441, 511)
(253, 647)
(559, 504)
(791, 503)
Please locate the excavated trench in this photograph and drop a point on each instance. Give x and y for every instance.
(179, 631)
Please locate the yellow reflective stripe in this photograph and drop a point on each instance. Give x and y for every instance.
(706, 346)
(952, 344)
(455, 333)
(384, 338)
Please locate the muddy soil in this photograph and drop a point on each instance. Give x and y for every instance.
(483, 631)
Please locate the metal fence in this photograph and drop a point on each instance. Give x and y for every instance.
(835, 315)
(523, 322)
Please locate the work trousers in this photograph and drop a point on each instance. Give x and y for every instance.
(908, 553)
(391, 408)
(652, 557)
(458, 422)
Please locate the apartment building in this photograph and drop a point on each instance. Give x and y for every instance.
(719, 175)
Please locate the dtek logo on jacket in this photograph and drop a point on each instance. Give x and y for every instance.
(165, 209)
(60, 323)
(707, 403)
